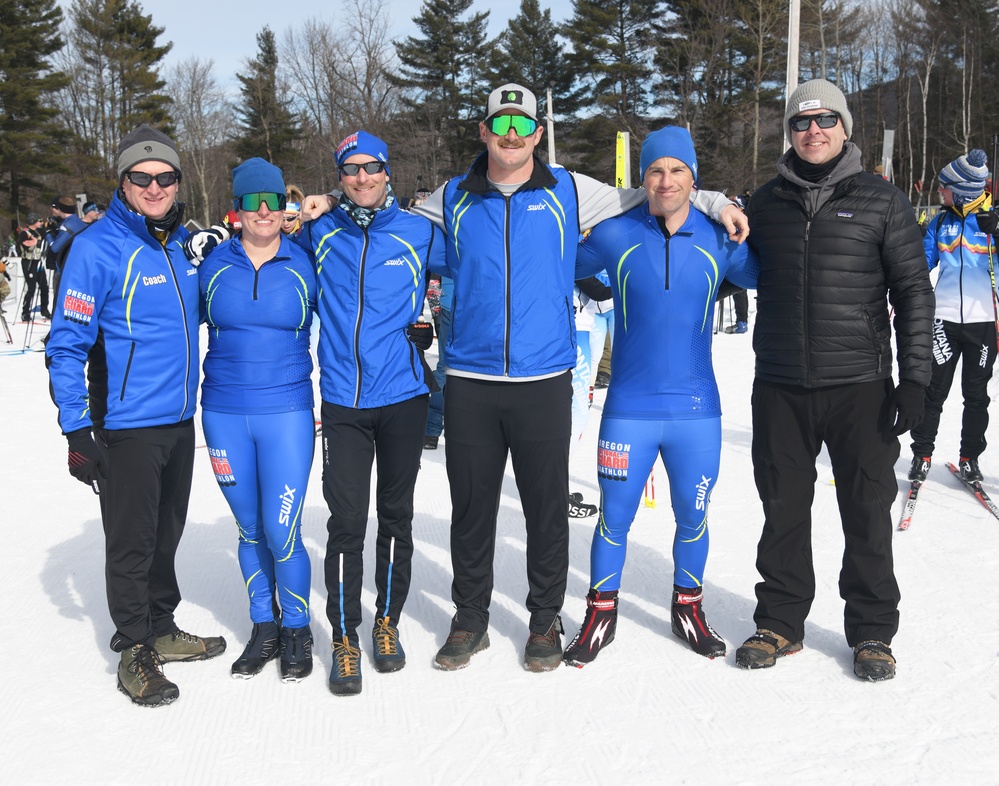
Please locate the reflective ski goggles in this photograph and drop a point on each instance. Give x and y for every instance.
(802, 123)
(371, 167)
(251, 202)
(144, 179)
(501, 125)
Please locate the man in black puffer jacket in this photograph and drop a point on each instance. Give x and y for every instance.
(835, 246)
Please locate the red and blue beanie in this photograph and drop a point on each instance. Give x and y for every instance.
(364, 143)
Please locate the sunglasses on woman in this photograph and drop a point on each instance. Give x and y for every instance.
(371, 167)
(522, 126)
(802, 123)
(144, 179)
(251, 202)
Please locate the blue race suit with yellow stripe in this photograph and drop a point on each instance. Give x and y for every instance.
(663, 398)
(257, 405)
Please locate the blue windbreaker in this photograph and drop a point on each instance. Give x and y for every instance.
(134, 303)
(512, 261)
(372, 283)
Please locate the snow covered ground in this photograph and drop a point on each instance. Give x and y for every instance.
(648, 710)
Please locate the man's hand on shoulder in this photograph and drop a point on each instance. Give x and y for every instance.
(735, 223)
(316, 205)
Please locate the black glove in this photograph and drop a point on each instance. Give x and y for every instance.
(421, 334)
(200, 244)
(85, 462)
(907, 404)
(988, 221)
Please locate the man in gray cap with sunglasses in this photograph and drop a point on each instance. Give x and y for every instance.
(512, 224)
(123, 364)
(836, 245)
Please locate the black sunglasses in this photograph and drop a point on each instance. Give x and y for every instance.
(801, 123)
(371, 167)
(144, 179)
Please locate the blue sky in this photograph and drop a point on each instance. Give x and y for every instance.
(226, 32)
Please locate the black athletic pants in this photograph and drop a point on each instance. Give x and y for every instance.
(975, 345)
(352, 439)
(144, 507)
(790, 425)
(35, 276)
(532, 422)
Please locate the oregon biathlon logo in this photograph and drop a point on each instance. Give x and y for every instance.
(613, 459)
(221, 467)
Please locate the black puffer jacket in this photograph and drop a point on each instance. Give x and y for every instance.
(831, 256)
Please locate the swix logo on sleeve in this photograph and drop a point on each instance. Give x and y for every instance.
(78, 306)
(613, 459)
(221, 467)
(287, 502)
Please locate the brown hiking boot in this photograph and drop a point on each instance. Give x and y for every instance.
(141, 679)
(180, 646)
(761, 650)
(459, 648)
(873, 661)
(544, 650)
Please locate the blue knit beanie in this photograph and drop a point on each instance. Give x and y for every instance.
(364, 143)
(257, 176)
(965, 176)
(672, 141)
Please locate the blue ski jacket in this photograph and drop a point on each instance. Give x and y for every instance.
(372, 283)
(128, 306)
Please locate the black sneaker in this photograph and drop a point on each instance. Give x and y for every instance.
(544, 650)
(761, 650)
(262, 647)
(141, 678)
(919, 468)
(345, 676)
(579, 509)
(873, 661)
(296, 653)
(969, 469)
(459, 648)
(388, 651)
(597, 631)
(690, 625)
(602, 380)
(430, 442)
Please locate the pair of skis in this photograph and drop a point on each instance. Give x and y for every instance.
(973, 486)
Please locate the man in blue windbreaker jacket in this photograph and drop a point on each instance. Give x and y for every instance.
(129, 308)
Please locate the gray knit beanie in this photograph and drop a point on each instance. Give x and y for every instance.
(819, 94)
(145, 143)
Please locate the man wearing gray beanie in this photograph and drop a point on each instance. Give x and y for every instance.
(834, 245)
(123, 365)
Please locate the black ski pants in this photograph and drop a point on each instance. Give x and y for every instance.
(391, 436)
(532, 422)
(974, 344)
(790, 425)
(144, 501)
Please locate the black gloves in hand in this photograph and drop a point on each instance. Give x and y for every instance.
(85, 462)
(988, 221)
(907, 403)
(200, 244)
(421, 334)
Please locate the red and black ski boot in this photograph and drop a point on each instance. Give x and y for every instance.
(597, 630)
(689, 623)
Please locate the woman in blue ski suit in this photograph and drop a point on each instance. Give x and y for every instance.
(258, 295)
(665, 262)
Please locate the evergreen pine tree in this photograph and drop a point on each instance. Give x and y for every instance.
(268, 128)
(30, 137)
